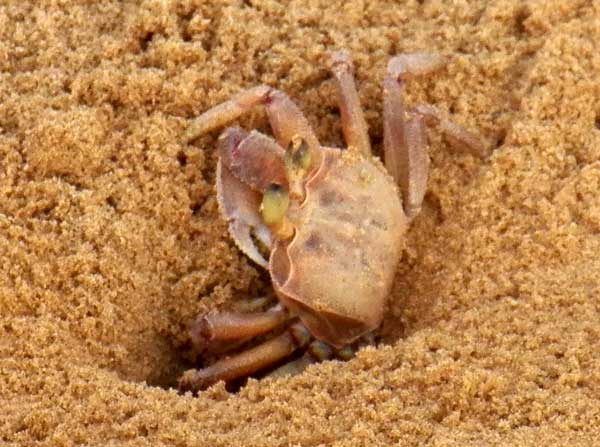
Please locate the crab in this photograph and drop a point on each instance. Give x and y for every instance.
(333, 219)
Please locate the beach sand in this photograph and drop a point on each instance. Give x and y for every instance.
(111, 240)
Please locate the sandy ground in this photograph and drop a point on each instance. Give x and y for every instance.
(110, 238)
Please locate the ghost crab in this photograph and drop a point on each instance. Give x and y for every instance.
(333, 219)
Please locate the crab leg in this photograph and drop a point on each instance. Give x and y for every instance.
(405, 141)
(354, 125)
(404, 146)
(247, 362)
(226, 112)
(210, 331)
(287, 122)
(317, 351)
(408, 66)
(286, 119)
(457, 136)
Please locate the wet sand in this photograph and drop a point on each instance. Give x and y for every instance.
(111, 241)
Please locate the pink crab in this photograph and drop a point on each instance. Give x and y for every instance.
(333, 219)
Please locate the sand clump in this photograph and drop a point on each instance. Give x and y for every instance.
(110, 240)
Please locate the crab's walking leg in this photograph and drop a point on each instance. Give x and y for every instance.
(286, 119)
(317, 351)
(214, 330)
(354, 125)
(404, 132)
(458, 136)
(408, 66)
(404, 138)
(247, 362)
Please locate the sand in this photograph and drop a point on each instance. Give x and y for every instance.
(111, 241)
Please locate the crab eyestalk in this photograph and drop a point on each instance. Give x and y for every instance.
(274, 205)
(298, 161)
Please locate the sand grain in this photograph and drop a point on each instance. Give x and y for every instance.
(110, 240)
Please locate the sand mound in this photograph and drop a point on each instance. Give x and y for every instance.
(110, 239)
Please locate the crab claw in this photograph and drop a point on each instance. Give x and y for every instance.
(239, 205)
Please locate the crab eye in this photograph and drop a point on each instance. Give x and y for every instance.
(297, 155)
(274, 204)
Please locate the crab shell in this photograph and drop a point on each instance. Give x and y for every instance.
(337, 270)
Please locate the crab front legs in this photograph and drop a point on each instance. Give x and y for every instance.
(252, 167)
(286, 119)
(248, 165)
